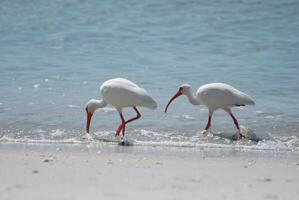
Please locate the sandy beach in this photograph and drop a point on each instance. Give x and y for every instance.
(28, 173)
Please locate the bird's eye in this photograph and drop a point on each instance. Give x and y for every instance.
(180, 88)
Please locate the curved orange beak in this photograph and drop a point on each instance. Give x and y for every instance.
(88, 119)
(179, 93)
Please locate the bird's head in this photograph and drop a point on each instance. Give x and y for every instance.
(90, 108)
(183, 90)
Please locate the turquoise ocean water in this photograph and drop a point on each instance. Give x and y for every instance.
(54, 55)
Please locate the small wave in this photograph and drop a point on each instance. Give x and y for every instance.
(57, 132)
(268, 114)
(142, 137)
(73, 106)
(185, 117)
(261, 145)
(107, 110)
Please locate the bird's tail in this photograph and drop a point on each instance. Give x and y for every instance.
(247, 100)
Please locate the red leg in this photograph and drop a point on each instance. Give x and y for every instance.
(134, 118)
(238, 135)
(119, 129)
(209, 123)
(235, 121)
(123, 121)
(121, 126)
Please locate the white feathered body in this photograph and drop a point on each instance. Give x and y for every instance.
(122, 93)
(220, 95)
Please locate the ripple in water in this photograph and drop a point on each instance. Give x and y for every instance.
(142, 137)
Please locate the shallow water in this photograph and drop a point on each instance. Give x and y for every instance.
(55, 55)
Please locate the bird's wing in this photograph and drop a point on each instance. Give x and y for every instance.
(123, 93)
(222, 95)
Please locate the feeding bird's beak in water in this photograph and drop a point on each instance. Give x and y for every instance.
(88, 119)
(179, 93)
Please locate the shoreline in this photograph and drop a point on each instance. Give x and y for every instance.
(61, 173)
(106, 147)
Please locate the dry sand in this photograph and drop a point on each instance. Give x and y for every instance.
(29, 174)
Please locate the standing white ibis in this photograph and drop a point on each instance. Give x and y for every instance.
(120, 93)
(215, 96)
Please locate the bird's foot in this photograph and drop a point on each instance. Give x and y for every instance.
(120, 136)
(237, 136)
(205, 132)
(87, 136)
(125, 142)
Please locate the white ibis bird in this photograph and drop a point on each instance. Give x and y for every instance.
(120, 93)
(215, 96)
